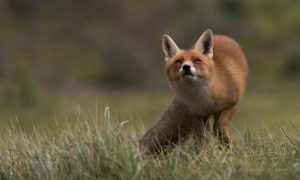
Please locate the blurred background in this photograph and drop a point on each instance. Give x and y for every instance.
(59, 58)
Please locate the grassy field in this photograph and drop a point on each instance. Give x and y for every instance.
(91, 137)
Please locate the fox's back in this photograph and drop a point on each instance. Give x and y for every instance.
(230, 69)
(228, 53)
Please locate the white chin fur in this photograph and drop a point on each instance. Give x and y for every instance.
(189, 77)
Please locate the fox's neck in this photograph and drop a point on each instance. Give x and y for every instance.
(195, 95)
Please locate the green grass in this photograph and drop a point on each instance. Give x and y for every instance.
(105, 148)
(76, 138)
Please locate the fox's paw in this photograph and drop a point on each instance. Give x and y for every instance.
(225, 142)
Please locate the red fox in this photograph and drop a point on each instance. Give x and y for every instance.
(208, 80)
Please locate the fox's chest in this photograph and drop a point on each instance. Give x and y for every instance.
(197, 98)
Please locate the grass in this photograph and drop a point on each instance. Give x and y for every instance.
(98, 146)
(73, 138)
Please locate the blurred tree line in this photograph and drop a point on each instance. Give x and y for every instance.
(117, 43)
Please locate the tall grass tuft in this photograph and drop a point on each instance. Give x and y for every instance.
(103, 148)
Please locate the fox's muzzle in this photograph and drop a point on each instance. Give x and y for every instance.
(187, 71)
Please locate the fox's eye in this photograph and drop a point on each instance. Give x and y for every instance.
(197, 61)
(179, 61)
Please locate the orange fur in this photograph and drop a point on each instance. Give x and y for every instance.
(221, 72)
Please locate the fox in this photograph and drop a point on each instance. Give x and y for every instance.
(208, 80)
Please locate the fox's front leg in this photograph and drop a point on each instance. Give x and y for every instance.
(172, 128)
(161, 135)
(221, 125)
(202, 128)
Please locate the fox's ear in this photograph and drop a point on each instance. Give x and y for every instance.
(205, 43)
(169, 46)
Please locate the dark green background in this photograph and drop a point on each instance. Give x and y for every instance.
(57, 56)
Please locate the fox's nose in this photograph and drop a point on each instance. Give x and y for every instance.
(186, 68)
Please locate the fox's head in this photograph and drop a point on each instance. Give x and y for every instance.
(190, 65)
